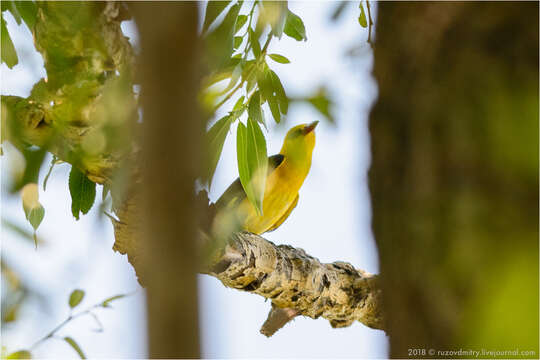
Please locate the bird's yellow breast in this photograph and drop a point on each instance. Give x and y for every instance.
(282, 187)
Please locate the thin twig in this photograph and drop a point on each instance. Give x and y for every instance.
(233, 91)
(71, 317)
(370, 23)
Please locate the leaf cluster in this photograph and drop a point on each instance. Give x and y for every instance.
(237, 53)
(74, 300)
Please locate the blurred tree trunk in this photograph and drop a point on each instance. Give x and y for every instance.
(454, 177)
(171, 156)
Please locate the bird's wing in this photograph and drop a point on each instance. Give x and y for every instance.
(235, 192)
(286, 215)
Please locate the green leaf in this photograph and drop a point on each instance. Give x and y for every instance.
(239, 103)
(214, 139)
(28, 12)
(255, 46)
(362, 18)
(235, 76)
(9, 55)
(106, 302)
(322, 103)
(19, 230)
(338, 11)
(267, 90)
(75, 298)
(279, 58)
(240, 22)
(83, 192)
(282, 98)
(21, 354)
(265, 84)
(250, 75)
(238, 41)
(10, 6)
(220, 42)
(254, 108)
(213, 9)
(75, 346)
(35, 216)
(274, 108)
(294, 27)
(252, 162)
(281, 8)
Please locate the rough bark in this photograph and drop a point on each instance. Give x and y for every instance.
(297, 281)
(170, 156)
(454, 175)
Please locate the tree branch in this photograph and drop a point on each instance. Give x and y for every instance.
(295, 280)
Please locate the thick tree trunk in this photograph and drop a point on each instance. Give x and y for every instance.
(170, 160)
(454, 176)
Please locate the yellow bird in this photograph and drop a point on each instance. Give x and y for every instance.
(286, 174)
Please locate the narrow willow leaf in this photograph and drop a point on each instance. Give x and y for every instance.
(250, 75)
(75, 298)
(294, 27)
(250, 83)
(274, 108)
(220, 42)
(215, 138)
(10, 6)
(235, 76)
(282, 98)
(252, 162)
(75, 346)
(240, 22)
(272, 100)
(255, 46)
(254, 109)
(279, 58)
(275, 13)
(264, 120)
(83, 192)
(338, 11)
(106, 302)
(15, 228)
(239, 103)
(323, 104)
(21, 354)
(9, 55)
(267, 90)
(218, 76)
(362, 18)
(257, 157)
(213, 9)
(237, 42)
(28, 12)
(265, 84)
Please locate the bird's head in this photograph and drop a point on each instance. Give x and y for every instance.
(299, 143)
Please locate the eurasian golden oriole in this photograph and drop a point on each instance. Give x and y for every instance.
(286, 174)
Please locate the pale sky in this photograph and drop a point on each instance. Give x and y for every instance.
(331, 221)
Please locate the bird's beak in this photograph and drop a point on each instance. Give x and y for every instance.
(310, 127)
